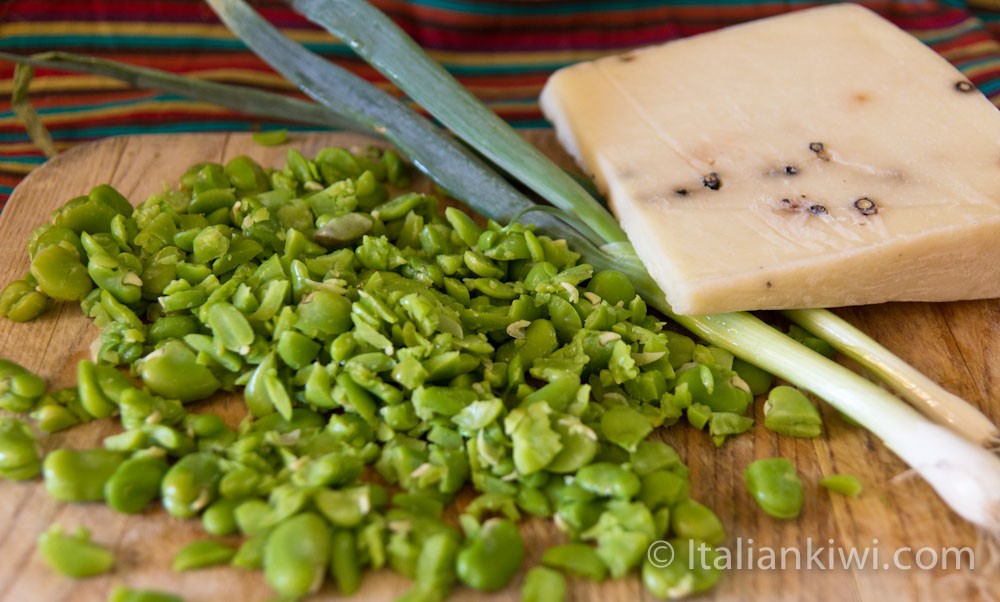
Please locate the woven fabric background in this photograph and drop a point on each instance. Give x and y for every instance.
(503, 51)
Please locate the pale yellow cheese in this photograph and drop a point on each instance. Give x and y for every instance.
(901, 202)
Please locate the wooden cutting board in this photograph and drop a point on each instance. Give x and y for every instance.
(956, 343)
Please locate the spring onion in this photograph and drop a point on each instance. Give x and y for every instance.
(965, 475)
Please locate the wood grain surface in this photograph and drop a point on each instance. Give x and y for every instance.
(956, 343)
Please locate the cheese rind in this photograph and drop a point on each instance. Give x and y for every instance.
(820, 158)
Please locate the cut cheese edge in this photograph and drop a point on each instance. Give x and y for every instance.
(816, 159)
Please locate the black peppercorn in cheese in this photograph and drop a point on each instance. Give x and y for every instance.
(830, 159)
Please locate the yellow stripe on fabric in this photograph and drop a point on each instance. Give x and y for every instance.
(67, 83)
(987, 67)
(17, 168)
(979, 49)
(945, 33)
(164, 30)
(179, 106)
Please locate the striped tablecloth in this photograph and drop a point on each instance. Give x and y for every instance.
(501, 50)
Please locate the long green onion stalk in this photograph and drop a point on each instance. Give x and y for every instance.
(963, 473)
(930, 398)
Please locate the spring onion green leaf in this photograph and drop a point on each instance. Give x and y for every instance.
(26, 112)
(239, 98)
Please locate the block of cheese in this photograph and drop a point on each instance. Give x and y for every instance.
(819, 158)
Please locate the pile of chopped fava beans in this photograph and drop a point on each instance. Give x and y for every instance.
(389, 356)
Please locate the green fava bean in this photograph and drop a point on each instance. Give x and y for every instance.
(79, 475)
(708, 386)
(344, 565)
(19, 457)
(543, 585)
(757, 379)
(691, 569)
(579, 446)
(323, 314)
(436, 564)
(173, 371)
(74, 555)
(202, 554)
(691, 520)
(540, 340)
(625, 427)
(19, 387)
(191, 484)
(21, 302)
(789, 412)
(125, 594)
(492, 556)
(297, 554)
(844, 484)
(612, 286)
(610, 480)
(135, 483)
(60, 273)
(775, 486)
(576, 559)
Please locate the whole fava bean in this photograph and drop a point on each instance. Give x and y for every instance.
(692, 520)
(436, 563)
(577, 559)
(625, 427)
(135, 483)
(297, 555)
(74, 555)
(19, 387)
(79, 475)
(220, 517)
(344, 565)
(663, 488)
(844, 484)
(612, 286)
(173, 371)
(19, 456)
(691, 570)
(21, 302)
(60, 273)
(191, 484)
(775, 486)
(543, 585)
(125, 594)
(323, 314)
(540, 340)
(789, 412)
(609, 480)
(201, 554)
(757, 379)
(343, 230)
(492, 556)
